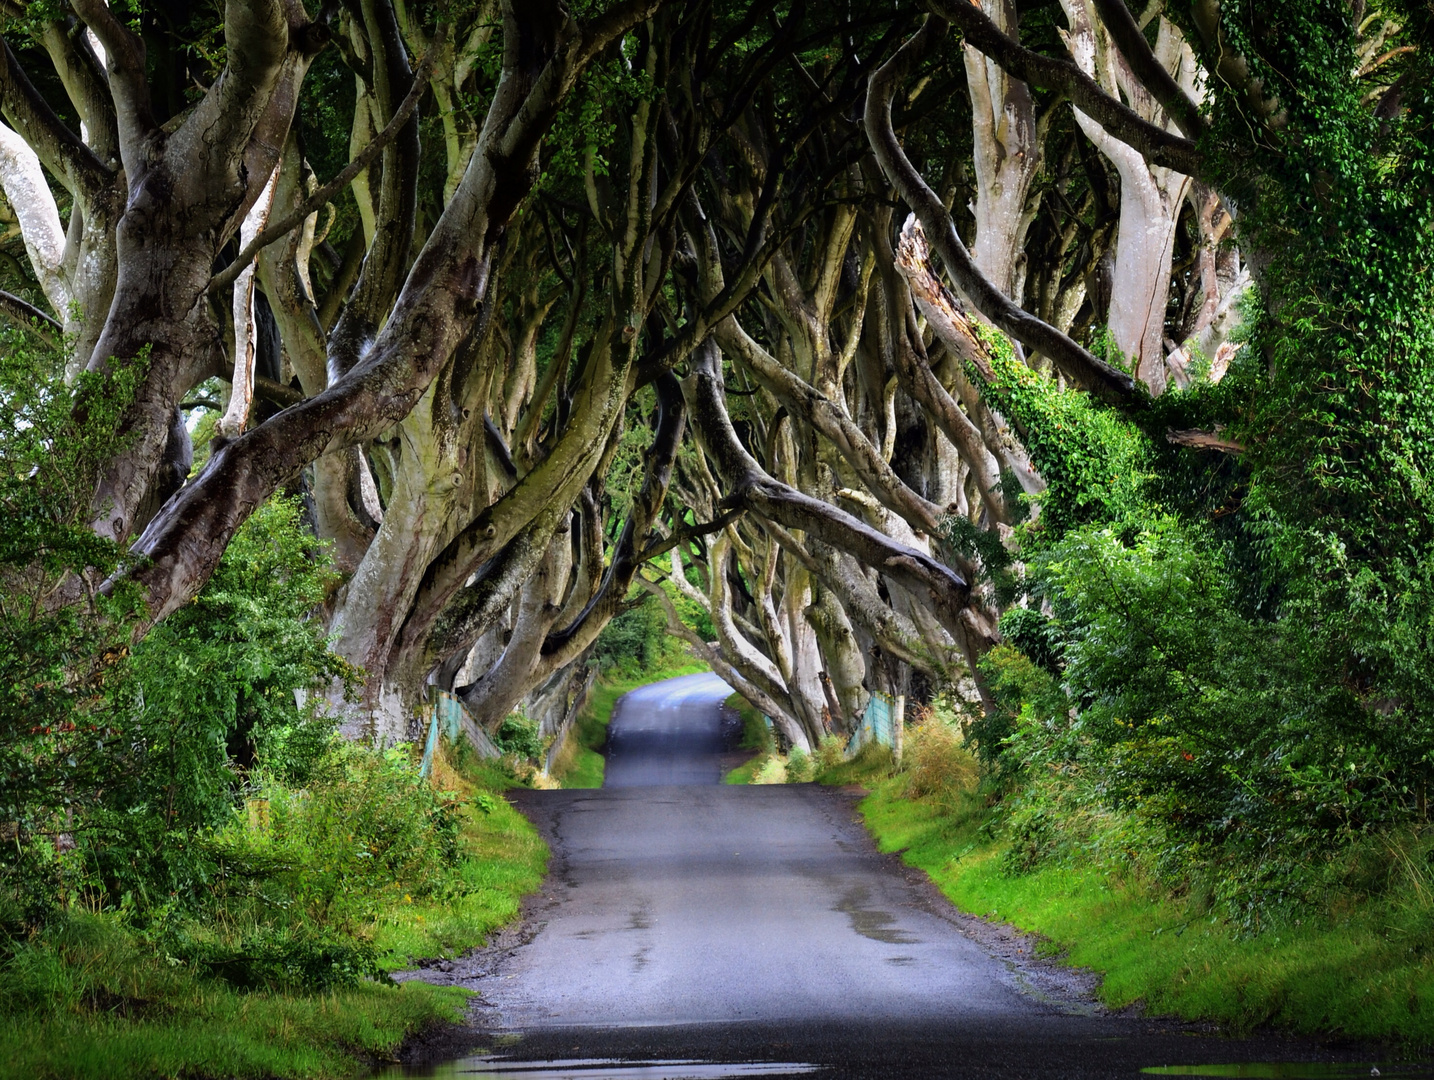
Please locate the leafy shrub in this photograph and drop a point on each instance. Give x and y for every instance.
(61, 667)
(85, 962)
(520, 736)
(831, 752)
(800, 767)
(368, 825)
(773, 770)
(283, 957)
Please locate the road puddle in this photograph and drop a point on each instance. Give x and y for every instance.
(870, 922)
(1298, 1070)
(479, 1068)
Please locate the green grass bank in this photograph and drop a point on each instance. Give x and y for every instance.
(756, 738)
(239, 995)
(1362, 970)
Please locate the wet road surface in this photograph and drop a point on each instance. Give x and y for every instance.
(692, 929)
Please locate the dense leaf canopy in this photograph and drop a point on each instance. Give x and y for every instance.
(1071, 360)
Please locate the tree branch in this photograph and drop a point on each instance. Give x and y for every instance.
(1080, 366)
(124, 61)
(62, 151)
(437, 306)
(316, 201)
(1129, 39)
(1154, 142)
(941, 588)
(690, 532)
(28, 315)
(1204, 440)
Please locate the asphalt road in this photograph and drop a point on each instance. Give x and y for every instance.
(692, 929)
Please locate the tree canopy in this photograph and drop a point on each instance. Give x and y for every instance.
(1040, 351)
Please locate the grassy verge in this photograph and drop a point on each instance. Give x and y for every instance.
(96, 996)
(756, 737)
(1363, 967)
(580, 762)
(828, 764)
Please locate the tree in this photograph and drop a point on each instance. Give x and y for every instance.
(828, 322)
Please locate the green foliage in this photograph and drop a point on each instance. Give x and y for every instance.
(520, 736)
(800, 767)
(756, 737)
(200, 697)
(61, 664)
(584, 133)
(1025, 694)
(635, 640)
(1232, 755)
(693, 615)
(280, 966)
(1096, 464)
(1222, 660)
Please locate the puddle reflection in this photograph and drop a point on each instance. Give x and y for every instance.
(477, 1068)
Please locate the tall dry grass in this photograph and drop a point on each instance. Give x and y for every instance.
(939, 768)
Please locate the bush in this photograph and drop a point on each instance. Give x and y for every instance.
(282, 958)
(831, 752)
(520, 736)
(773, 770)
(939, 767)
(367, 827)
(800, 767)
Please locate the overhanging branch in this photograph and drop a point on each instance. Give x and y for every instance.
(1153, 142)
(1079, 365)
(316, 201)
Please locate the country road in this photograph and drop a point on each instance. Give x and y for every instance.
(692, 929)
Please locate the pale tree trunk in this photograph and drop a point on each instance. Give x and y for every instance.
(1150, 196)
(188, 194)
(74, 267)
(29, 196)
(1007, 157)
(1223, 281)
(842, 662)
(506, 683)
(241, 394)
(808, 666)
(433, 488)
(742, 655)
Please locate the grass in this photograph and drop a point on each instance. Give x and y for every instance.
(504, 859)
(180, 1025)
(97, 997)
(1363, 968)
(580, 763)
(756, 737)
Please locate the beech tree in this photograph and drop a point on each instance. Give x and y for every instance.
(825, 322)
